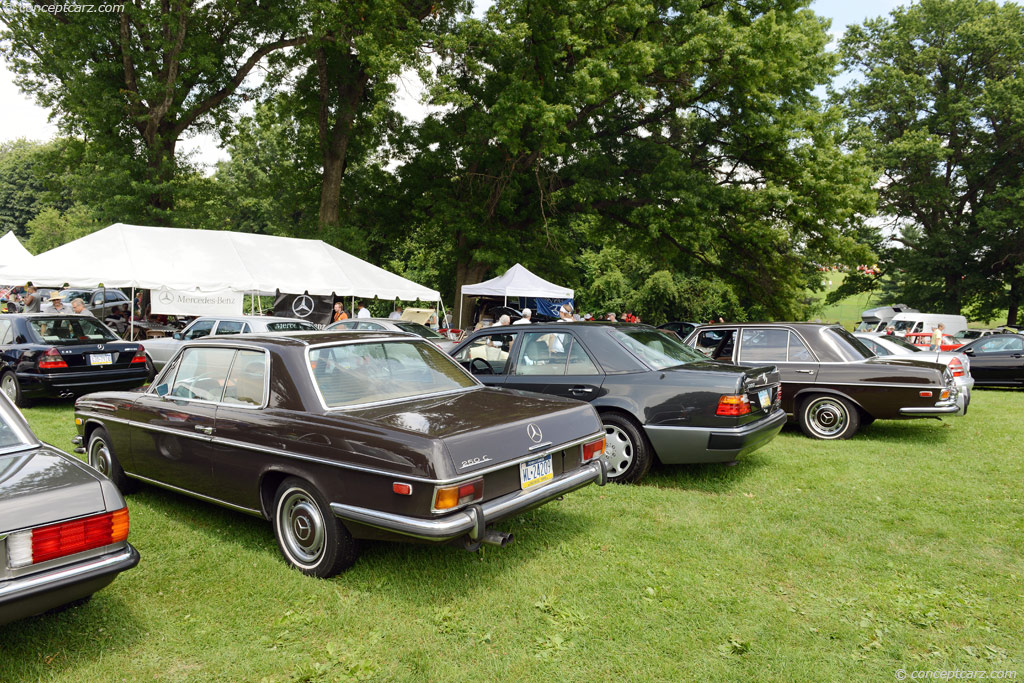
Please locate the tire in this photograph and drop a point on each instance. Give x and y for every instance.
(627, 453)
(827, 417)
(9, 385)
(310, 537)
(100, 454)
(150, 370)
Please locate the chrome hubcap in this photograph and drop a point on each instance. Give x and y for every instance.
(9, 386)
(302, 527)
(827, 417)
(618, 452)
(99, 457)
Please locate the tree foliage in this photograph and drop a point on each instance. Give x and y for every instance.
(938, 105)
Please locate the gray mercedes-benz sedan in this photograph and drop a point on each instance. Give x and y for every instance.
(63, 525)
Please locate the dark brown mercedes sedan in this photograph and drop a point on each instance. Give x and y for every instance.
(336, 437)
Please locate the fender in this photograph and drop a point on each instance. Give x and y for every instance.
(829, 391)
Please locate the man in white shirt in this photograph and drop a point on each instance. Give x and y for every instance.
(364, 312)
(525, 320)
(396, 314)
(78, 307)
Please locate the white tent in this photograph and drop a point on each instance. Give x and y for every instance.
(516, 281)
(12, 253)
(212, 260)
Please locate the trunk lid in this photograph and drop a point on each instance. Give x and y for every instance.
(42, 485)
(487, 426)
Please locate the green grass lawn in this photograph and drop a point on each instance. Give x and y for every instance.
(901, 548)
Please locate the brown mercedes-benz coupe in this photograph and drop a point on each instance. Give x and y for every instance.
(335, 437)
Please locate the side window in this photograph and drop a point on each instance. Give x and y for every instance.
(580, 362)
(487, 355)
(6, 333)
(229, 327)
(709, 341)
(759, 345)
(200, 328)
(246, 329)
(202, 374)
(543, 353)
(369, 326)
(799, 353)
(247, 379)
(97, 298)
(112, 296)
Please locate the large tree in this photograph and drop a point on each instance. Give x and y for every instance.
(687, 131)
(937, 101)
(135, 82)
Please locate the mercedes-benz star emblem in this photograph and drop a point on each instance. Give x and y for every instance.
(302, 305)
(166, 297)
(533, 431)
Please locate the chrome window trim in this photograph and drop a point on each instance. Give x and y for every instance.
(405, 338)
(221, 345)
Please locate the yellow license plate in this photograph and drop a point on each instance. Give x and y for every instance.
(536, 471)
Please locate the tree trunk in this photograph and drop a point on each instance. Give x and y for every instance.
(467, 272)
(1013, 308)
(161, 167)
(342, 86)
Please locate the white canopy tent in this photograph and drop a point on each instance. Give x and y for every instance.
(212, 260)
(516, 281)
(12, 252)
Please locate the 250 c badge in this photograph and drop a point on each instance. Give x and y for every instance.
(475, 461)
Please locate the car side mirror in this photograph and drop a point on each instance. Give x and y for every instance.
(162, 389)
(969, 352)
(178, 336)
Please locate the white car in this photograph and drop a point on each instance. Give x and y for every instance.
(159, 351)
(890, 345)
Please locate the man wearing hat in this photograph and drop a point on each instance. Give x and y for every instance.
(56, 304)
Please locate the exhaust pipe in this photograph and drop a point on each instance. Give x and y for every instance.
(498, 538)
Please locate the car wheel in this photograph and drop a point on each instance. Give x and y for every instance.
(626, 451)
(102, 459)
(829, 417)
(311, 538)
(9, 385)
(150, 369)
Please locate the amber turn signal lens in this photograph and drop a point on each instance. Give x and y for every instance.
(448, 497)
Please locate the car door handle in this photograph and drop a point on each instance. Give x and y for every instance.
(1016, 355)
(204, 430)
(805, 372)
(581, 390)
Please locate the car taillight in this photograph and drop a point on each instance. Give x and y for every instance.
(51, 360)
(733, 405)
(450, 497)
(140, 355)
(593, 449)
(66, 538)
(956, 367)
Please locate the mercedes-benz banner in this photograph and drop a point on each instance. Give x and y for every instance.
(315, 309)
(169, 301)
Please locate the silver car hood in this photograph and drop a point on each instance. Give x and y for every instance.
(42, 485)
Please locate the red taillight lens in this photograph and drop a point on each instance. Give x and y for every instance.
(593, 449)
(51, 360)
(402, 488)
(68, 538)
(140, 355)
(449, 497)
(956, 367)
(733, 405)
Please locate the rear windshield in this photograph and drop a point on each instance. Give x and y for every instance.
(14, 433)
(900, 341)
(355, 374)
(419, 330)
(290, 326)
(71, 329)
(656, 348)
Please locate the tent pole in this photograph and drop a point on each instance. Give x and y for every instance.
(131, 316)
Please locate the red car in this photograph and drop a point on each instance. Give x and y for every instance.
(924, 340)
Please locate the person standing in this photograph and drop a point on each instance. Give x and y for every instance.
(565, 313)
(503, 320)
(56, 304)
(78, 308)
(31, 299)
(525, 320)
(396, 314)
(937, 337)
(364, 312)
(339, 313)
